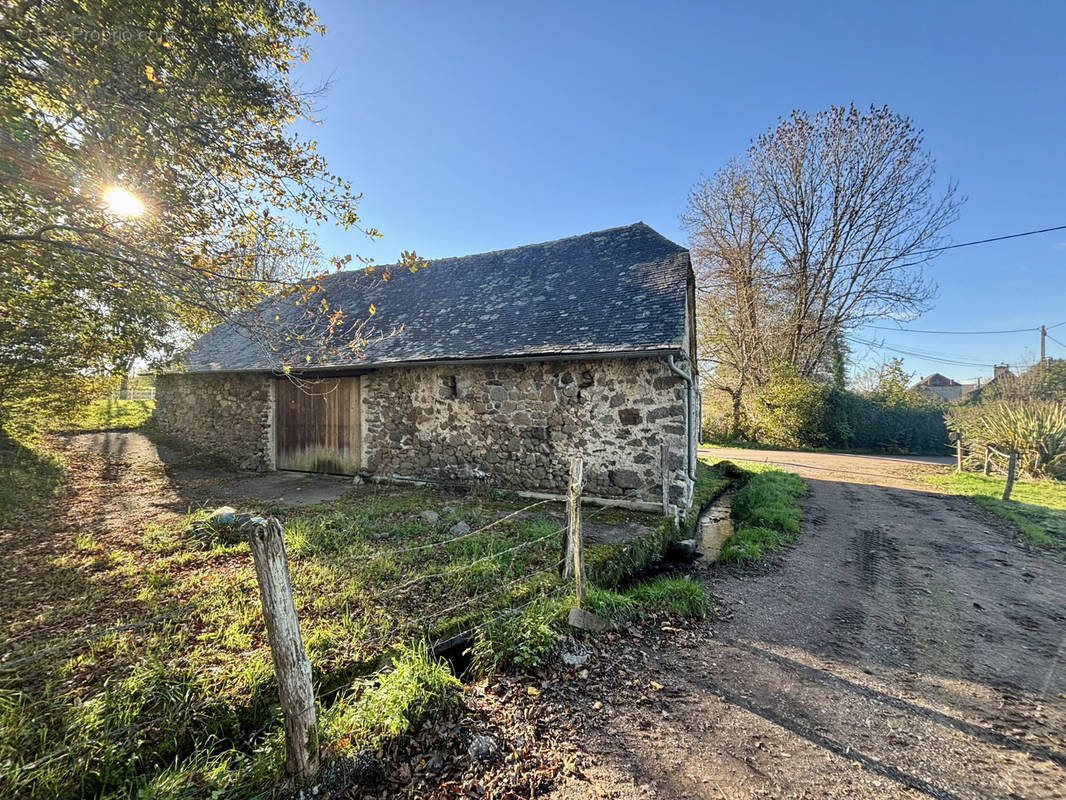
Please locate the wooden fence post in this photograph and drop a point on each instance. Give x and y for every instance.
(958, 454)
(1012, 469)
(988, 459)
(573, 503)
(291, 665)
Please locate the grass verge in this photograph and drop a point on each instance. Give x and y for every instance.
(190, 698)
(186, 706)
(765, 514)
(1036, 508)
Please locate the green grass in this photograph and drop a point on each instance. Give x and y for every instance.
(108, 414)
(1037, 508)
(677, 595)
(391, 704)
(765, 514)
(29, 475)
(674, 595)
(611, 564)
(201, 682)
(187, 706)
(525, 639)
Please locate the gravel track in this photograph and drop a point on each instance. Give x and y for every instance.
(907, 646)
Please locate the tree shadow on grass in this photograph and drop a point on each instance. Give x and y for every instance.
(60, 576)
(27, 476)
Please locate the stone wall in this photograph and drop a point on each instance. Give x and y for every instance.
(516, 425)
(511, 426)
(227, 415)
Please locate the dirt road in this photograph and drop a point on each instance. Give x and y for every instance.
(905, 647)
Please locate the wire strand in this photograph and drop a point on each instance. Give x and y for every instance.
(1056, 341)
(925, 356)
(82, 640)
(462, 567)
(459, 538)
(943, 248)
(899, 329)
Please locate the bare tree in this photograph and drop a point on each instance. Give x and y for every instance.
(826, 224)
(857, 213)
(730, 226)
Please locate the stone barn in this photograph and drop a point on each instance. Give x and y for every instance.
(493, 369)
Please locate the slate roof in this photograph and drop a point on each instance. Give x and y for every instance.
(612, 291)
(936, 379)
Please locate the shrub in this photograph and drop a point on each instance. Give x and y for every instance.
(789, 411)
(1036, 429)
(796, 412)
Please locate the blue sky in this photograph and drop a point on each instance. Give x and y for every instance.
(480, 126)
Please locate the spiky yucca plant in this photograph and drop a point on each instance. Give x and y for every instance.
(1036, 429)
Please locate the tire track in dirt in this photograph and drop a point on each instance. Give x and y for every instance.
(905, 647)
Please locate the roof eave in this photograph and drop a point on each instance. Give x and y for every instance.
(327, 369)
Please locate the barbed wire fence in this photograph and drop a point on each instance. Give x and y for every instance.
(291, 662)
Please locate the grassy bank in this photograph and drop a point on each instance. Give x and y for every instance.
(195, 686)
(1036, 508)
(765, 514)
(136, 661)
(29, 475)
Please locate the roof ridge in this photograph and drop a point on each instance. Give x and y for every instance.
(637, 224)
(541, 244)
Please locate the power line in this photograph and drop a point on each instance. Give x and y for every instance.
(988, 241)
(928, 251)
(942, 248)
(950, 333)
(900, 329)
(1056, 341)
(921, 352)
(956, 361)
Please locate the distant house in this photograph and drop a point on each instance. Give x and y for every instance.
(941, 386)
(505, 365)
(945, 388)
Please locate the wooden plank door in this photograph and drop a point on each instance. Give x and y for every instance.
(317, 426)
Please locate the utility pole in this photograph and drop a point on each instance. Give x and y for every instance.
(1043, 338)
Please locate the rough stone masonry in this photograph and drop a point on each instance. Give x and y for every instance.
(507, 425)
(226, 415)
(517, 425)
